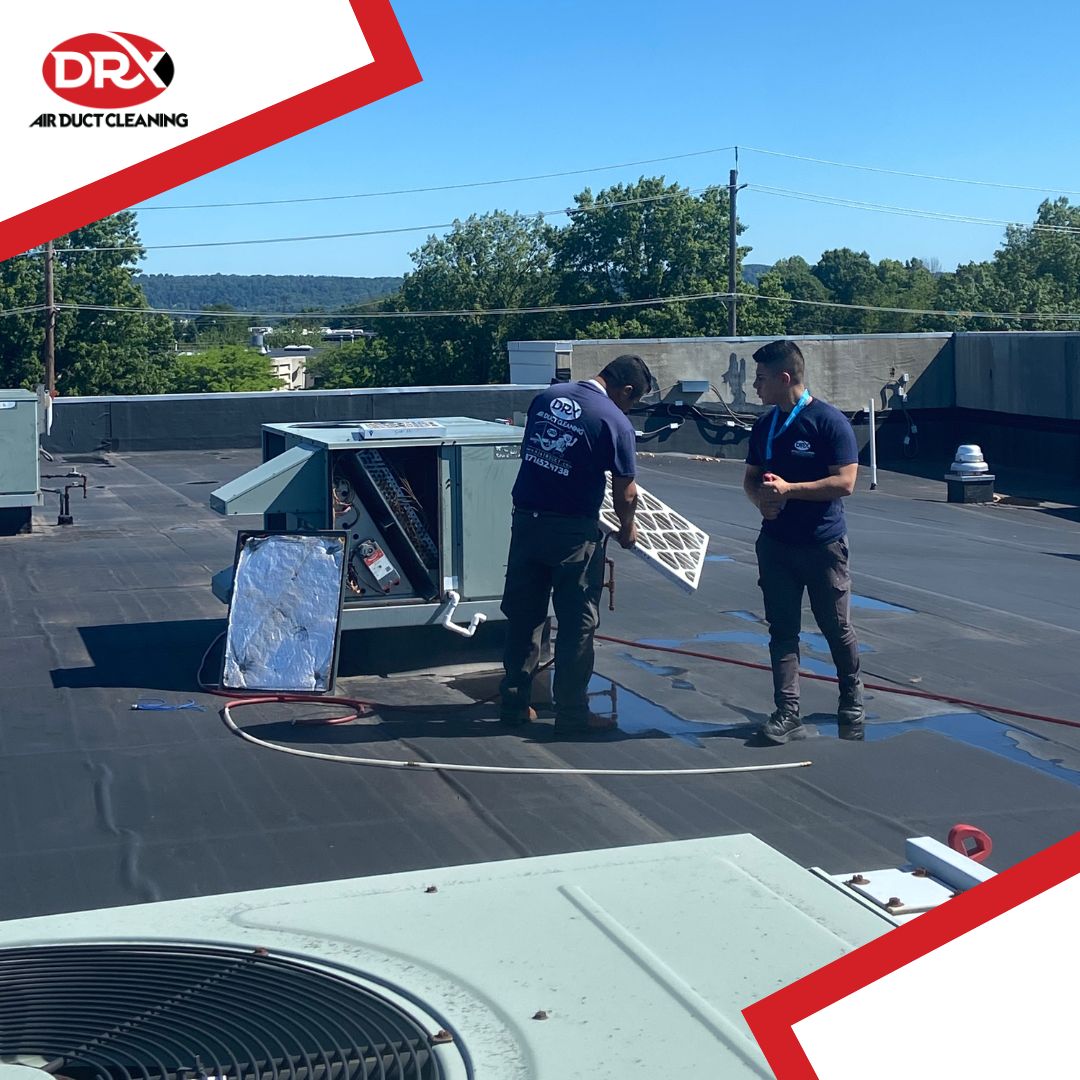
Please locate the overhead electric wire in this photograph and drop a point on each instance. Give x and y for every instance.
(539, 310)
(566, 210)
(594, 207)
(908, 211)
(1050, 189)
(916, 175)
(1038, 316)
(438, 187)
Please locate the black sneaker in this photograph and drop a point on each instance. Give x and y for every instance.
(850, 714)
(782, 726)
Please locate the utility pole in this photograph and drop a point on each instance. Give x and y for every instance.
(733, 251)
(50, 324)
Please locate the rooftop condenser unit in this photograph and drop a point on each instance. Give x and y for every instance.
(425, 505)
(20, 481)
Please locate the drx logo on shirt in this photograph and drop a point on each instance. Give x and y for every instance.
(554, 440)
(565, 408)
(802, 449)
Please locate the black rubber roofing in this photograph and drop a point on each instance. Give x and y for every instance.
(105, 805)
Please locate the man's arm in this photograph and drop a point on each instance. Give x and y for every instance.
(839, 483)
(624, 496)
(759, 492)
(751, 483)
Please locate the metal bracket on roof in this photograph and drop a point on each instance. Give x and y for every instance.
(934, 874)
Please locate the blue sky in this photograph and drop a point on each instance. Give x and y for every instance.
(982, 91)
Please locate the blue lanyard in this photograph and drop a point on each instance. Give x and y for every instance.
(803, 402)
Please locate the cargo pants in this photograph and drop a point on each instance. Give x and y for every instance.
(785, 571)
(556, 558)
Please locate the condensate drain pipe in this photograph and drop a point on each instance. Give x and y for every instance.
(452, 601)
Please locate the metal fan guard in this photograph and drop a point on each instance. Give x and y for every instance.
(192, 1012)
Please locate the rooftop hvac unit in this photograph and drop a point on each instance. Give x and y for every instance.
(20, 482)
(630, 963)
(425, 506)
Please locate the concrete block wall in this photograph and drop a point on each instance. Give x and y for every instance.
(1023, 374)
(846, 371)
(219, 421)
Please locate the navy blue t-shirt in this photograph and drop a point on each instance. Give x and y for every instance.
(819, 437)
(573, 436)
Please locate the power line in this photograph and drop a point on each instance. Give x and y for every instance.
(823, 199)
(603, 168)
(908, 211)
(916, 175)
(567, 211)
(439, 187)
(599, 206)
(1045, 316)
(469, 312)
(1038, 316)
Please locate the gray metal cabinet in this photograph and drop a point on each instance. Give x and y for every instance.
(19, 471)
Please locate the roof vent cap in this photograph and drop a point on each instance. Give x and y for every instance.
(969, 460)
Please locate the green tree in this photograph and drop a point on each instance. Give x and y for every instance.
(223, 368)
(121, 351)
(495, 260)
(906, 285)
(350, 364)
(221, 329)
(1037, 268)
(291, 331)
(643, 240)
(21, 336)
(757, 316)
(850, 278)
(793, 277)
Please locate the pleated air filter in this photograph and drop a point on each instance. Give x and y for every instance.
(666, 540)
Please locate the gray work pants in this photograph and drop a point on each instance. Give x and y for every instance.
(785, 570)
(558, 558)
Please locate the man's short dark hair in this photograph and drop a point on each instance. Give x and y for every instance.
(780, 356)
(629, 370)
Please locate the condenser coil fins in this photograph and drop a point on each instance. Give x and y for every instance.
(392, 508)
(402, 502)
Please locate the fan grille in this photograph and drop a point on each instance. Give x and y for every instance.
(178, 1012)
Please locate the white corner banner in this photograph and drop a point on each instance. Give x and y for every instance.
(111, 103)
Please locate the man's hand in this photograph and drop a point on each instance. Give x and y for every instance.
(775, 485)
(773, 496)
(627, 535)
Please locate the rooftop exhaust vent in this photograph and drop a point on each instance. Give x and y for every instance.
(180, 1012)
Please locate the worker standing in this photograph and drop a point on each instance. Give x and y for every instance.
(576, 433)
(801, 463)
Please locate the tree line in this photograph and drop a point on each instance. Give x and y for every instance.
(263, 292)
(631, 243)
(626, 245)
(126, 350)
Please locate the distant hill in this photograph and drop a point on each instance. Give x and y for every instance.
(263, 292)
(752, 271)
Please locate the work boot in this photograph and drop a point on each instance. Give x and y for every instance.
(514, 714)
(590, 724)
(784, 724)
(850, 713)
